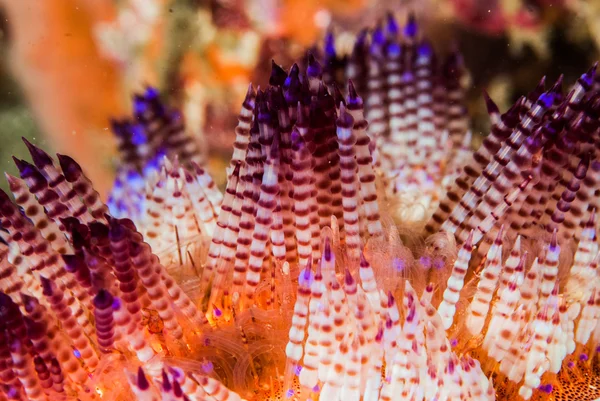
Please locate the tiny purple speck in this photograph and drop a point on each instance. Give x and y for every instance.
(583, 357)
(425, 262)
(289, 393)
(77, 353)
(207, 367)
(316, 388)
(570, 364)
(13, 392)
(454, 342)
(116, 304)
(298, 370)
(399, 264)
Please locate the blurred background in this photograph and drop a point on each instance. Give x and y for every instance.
(68, 66)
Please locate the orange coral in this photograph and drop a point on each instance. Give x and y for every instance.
(298, 16)
(72, 90)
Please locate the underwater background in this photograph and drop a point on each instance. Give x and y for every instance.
(68, 66)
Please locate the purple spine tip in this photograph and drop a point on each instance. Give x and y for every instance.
(24, 167)
(166, 383)
(425, 49)
(103, 299)
(330, 45)
(72, 262)
(327, 249)
(40, 158)
(314, 69)
(47, 286)
(391, 26)
(492, 108)
(557, 87)
(411, 28)
(349, 280)
(142, 381)
(278, 74)
(177, 391)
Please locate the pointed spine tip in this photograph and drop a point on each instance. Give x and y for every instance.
(469, 242)
(557, 87)
(491, 106)
(166, 385)
(349, 280)
(40, 158)
(47, 286)
(22, 165)
(363, 260)
(70, 168)
(391, 299)
(13, 182)
(103, 299)
(142, 381)
(554, 240)
(314, 69)
(327, 249)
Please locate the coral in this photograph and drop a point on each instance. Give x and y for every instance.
(296, 283)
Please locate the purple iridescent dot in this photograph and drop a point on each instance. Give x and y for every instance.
(289, 393)
(297, 370)
(399, 265)
(316, 388)
(598, 349)
(570, 364)
(454, 342)
(207, 367)
(77, 353)
(13, 392)
(583, 357)
(116, 304)
(546, 388)
(217, 312)
(439, 263)
(425, 261)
